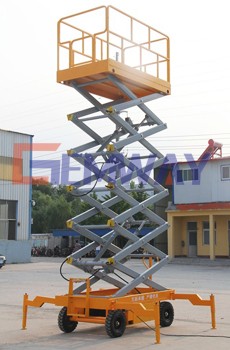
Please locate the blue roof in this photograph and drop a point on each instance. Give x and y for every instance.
(99, 232)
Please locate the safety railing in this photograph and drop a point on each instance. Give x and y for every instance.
(107, 33)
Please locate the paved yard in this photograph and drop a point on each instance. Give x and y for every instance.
(191, 327)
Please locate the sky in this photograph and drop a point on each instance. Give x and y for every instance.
(198, 108)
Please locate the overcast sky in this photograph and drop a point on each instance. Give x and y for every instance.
(198, 109)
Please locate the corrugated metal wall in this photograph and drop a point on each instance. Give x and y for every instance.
(9, 143)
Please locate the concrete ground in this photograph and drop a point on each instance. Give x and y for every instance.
(191, 327)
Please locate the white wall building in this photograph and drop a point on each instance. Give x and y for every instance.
(202, 182)
(199, 215)
(15, 196)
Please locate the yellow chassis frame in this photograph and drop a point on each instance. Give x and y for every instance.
(140, 305)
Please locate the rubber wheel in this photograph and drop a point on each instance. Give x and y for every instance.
(166, 314)
(115, 323)
(64, 322)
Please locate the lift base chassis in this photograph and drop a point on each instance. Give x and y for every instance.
(140, 305)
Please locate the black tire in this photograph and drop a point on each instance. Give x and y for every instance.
(166, 314)
(64, 322)
(115, 323)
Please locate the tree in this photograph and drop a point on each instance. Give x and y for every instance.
(58, 212)
(40, 184)
(140, 196)
(122, 206)
(119, 207)
(54, 205)
(97, 219)
(40, 212)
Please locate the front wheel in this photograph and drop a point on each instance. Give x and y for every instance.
(115, 323)
(64, 322)
(166, 314)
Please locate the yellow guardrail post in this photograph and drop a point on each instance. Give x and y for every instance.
(24, 311)
(87, 304)
(157, 322)
(150, 265)
(213, 311)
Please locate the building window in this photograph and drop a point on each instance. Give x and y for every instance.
(10, 169)
(192, 226)
(225, 172)
(187, 175)
(8, 219)
(206, 236)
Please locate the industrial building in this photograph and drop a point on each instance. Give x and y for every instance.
(15, 196)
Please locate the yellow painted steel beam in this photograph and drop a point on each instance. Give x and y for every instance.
(195, 299)
(140, 83)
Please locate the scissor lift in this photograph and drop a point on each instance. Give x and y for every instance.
(117, 74)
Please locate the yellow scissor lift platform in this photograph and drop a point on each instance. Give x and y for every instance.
(100, 307)
(107, 53)
(135, 53)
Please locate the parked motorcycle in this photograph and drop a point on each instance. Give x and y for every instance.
(2, 260)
